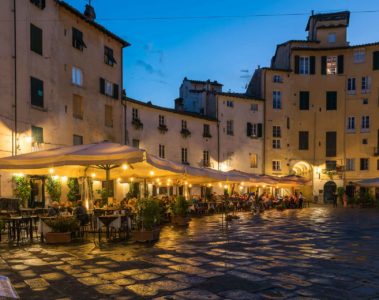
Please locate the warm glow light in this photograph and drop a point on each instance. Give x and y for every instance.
(29, 139)
(220, 184)
(125, 166)
(225, 186)
(186, 183)
(152, 173)
(131, 179)
(241, 187)
(56, 177)
(18, 175)
(93, 175)
(242, 183)
(209, 185)
(160, 183)
(51, 171)
(118, 179)
(264, 186)
(64, 178)
(190, 185)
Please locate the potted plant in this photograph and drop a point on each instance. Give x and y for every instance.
(23, 189)
(147, 219)
(180, 211)
(62, 228)
(54, 188)
(73, 189)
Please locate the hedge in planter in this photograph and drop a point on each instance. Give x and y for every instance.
(180, 211)
(148, 220)
(23, 189)
(54, 188)
(61, 229)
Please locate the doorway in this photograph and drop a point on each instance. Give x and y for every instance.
(330, 188)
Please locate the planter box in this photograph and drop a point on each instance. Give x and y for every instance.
(146, 235)
(180, 221)
(58, 237)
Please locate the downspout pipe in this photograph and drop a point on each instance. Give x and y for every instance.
(14, 135)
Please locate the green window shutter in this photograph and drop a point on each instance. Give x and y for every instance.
(260, 130)
(249, 129)
(304, 100)
(36, 92)
(340, 64)
(102, 86)
(331, 144)
(312, 65)
(115, 91)
(375, 60)
(331, 100)
(323, 65)
(303, 140)
(36, 41)
(37, 134)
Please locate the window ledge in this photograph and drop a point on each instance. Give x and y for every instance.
(365, 130)
(39, 108)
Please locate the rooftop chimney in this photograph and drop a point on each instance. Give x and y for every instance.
(89, 12)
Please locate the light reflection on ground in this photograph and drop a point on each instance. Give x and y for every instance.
(319, 252)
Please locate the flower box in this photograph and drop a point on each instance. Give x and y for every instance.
(58, 237)
(146, 235)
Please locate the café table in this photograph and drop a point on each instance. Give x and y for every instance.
(108, 221)
(18, 223)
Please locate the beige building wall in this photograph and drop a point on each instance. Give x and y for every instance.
(54, 68)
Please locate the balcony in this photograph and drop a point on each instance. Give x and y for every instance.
(162, 128)
(185, 133)
(137, 124)
(207, 135)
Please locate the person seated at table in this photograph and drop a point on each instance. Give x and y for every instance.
(81, 214)
(53, 209)
(96, 204)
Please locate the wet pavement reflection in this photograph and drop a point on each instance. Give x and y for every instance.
(314, 253)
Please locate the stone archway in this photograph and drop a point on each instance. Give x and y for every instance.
(302, 168)
(330, 188)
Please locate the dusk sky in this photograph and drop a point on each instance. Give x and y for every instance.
(218, 40)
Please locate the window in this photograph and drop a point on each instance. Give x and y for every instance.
(36, 92)
(277, 79)
(331, 144)
(108, 56)
(350, 164)
(135, 114)
(364, 141)
(229, 127)
(77, 140)
(135, 143)
(350, 124)
(229, 103)
(366, 84)
(304, 100)
(331, 65)
(359, 56)
(184, 124)
(351, 85)
(365, 125)
(162, 151)
(109, 89)
(276, 165)
(303, 140)
(39, 3)
(332, 38)
(108, 115)
(254, 107)
(77, 107)
(254, 130)
(276, 100)
(331, 165)
(77, 76)
(365, 101)
(364, 164)
(77, 39)
(304, 65)
(206, 131)
(184, 156)
(206, 162)
(276, 131)
(276, 144)
(331, 100)
(377, 164)
(375, 60)
(36, 41)
(161, 120)
(253, 160)
(37, 134)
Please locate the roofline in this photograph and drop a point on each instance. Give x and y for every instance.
(203, 81)
(328, 14)
(171, 110)
(337, 48)
(239, 95)
(93, 23)
(276, 69)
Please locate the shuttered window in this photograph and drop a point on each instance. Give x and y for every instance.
(77, 39)
(36, 40)
(303, 140)
(109, 89)
(331, 144)
(77, 139)
(36, 92)
(375, 60)
(37, 134)
(304, 100)
(108, 115)
(77, 107)
(340, 64)
(331, 100)
(39, 3)
(108, 56)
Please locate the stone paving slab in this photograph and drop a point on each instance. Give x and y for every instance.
(314, 253)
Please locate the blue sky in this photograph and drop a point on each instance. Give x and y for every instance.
(163, 52)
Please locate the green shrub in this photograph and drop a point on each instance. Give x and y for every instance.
(23, 189)
(54, 188)
(62, 224)
(180, 207)
(148, 214)
(73, 189)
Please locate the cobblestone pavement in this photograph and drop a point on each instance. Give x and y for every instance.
(318, 253)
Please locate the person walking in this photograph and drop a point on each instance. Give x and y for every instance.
(344, 199)
(335, 199)
(301, 200)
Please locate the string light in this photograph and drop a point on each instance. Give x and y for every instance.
(152, 173)
(125, 166)
(51, 170)
(93, 175)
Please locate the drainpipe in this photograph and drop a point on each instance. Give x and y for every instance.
(264, 122)
(218, 135)
(14, 135)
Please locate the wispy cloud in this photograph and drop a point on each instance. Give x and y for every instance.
(149, 48)
(149, 68)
